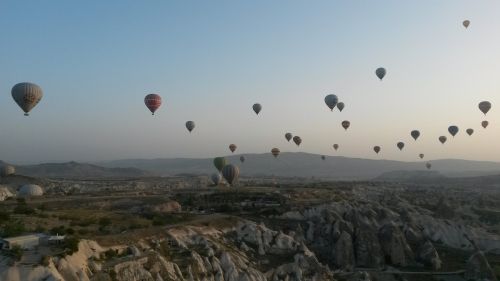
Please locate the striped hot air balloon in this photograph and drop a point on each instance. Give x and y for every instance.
(27, 96)
(231, 173)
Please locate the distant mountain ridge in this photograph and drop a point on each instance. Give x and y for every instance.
(298, 164)
(78, 170)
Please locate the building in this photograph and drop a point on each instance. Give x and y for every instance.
(26, 242)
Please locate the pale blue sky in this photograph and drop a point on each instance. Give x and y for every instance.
(211, 60)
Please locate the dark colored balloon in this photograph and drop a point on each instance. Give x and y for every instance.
(484, 106)
(219, 163)
(230, 173)
(153, 102)
(346, 124)
(323, 157)
(469, 131)
(400, 145)
(232, 147)
(275, 152)
(190, 126)
(428, 165)
(336, 147)
(453, 130)
(242, 159)
(288, 136)
(466, 23)
(421, 155)
(331, 101)
(27, 96)
(442, 139)
(380, 72)
(257, 108)
(376, 149)
(297, 140)
(340, 106)
(485, 124)
(415, 134)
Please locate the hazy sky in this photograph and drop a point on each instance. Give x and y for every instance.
(211, 60)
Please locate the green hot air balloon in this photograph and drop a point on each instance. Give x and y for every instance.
(27, 96)
(231, 173)
(331, 101)
(219, 163)
(380, 72)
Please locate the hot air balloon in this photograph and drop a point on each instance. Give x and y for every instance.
(484, 106)
(466, 23)
(331, 101)
(340, 106)
(376, 149)
(216, 178)
(469, 131)
(190, 125)
(453, 130)
(288, 136)
(336, 147)
(400, 145)
(231, 173)
(219, 163)
(346, 124)
(421, 155)
(257, 108)
(232, 147)
(153, 102)
(428, 165)
(26, 95)
(380, 72)
(297, 140)
(242, 158)
(485, 124)
(323, 157)
(415, 134)
(443, 139)
(275, 152)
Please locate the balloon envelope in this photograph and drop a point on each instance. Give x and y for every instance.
(190, 125)
(400, 145)
(232, 147)
(288, 136)
(257, 108)
(331, 101)
(485, 124)
(242, 159)
(340, 106)
(469, 131)
(415, 134)
(323, 157)
(421, 155)
(275, 152)
(230, 173)
(428, 165)
(484, 106)
(466, 23)
(376, 149)
(380, 72)
(453, 130)
(219, 163)
(297, 140)
(336, 146)
(153, 102)
(27, 96)
(346, 124)
(442, 139)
